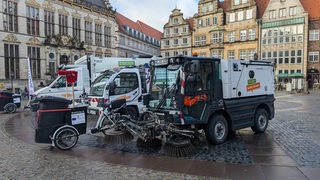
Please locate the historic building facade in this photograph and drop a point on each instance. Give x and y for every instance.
(284, 38)
(241, 36)
(51, 33)
(208, 34)
(136, 38)
(313, 67)
(177, 36)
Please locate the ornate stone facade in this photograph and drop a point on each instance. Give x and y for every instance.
(27, 35)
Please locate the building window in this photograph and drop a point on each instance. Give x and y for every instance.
(48, 23)
(207, 21)
(175, 20)
(292, 11)
(313, 56)
(231, 36)
(203, 40)
(76, 31)
(299, 56)
(214, 20)
(314, 35)
(240, 16)
(98, 34)
(249, 14)
(232, 17)
(184, 29)
(282, 12)
(243, 35)
(184, 40)
(242, 54)
(167, 42)
(236, 2)
(175, 53)
(251, 54)
(11, 61)
(175, 30)
(252, 34)
(88, 32)
(167, 31)
(272, 14)
(197, 41)
(107, 36)
(63, 24)
(167, 54)
(35, 61)
(204, 9)
(32, 20)
(230, 54)
(210, 7)
(175, 42)
(200, 23)
(10, 16)
(244, 1)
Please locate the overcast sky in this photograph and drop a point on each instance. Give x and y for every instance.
(154, 13)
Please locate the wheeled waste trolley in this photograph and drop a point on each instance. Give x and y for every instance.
(9, 102)
(58, 124)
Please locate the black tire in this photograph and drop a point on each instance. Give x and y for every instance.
(10, 108)
(217, 130)
(260, 121)
(65, 138)
(132, 112)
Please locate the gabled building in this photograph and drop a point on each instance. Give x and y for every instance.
(242, 30)
(284, 39)
(177, 36)
(51, 33)
(136, 38)
(208, 34)
(313, 67)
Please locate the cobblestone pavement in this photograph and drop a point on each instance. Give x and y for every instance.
(19, 160)
(296, 127)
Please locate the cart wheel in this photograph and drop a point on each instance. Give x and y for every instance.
(10, 108)
(66, 137)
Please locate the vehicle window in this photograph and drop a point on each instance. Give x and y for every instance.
(125, 82)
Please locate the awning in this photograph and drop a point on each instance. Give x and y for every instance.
(296, 75)
(281, 75)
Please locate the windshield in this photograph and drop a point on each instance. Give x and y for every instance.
(164, 87)
(99, 84)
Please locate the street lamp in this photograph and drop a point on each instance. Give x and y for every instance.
(12, 76)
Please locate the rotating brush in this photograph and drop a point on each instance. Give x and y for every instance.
(179, 147)
(117, 137)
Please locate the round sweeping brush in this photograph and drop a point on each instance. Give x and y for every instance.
(179, 147)
(117, 137)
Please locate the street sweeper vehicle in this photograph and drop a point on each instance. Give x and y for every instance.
(128, 83)
(195, 97)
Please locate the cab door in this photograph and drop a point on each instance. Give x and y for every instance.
(127, 86)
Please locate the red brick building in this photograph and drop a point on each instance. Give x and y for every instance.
(313, 68)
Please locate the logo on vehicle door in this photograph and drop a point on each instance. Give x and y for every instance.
(252, 82)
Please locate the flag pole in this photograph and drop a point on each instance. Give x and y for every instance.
(30, 83)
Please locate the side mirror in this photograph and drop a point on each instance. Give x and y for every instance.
(112, 86)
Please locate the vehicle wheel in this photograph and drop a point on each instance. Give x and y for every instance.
(260, 121)
(65, 138)
(132, 112)
(10, 108)
(105, 122)
(217, 130)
